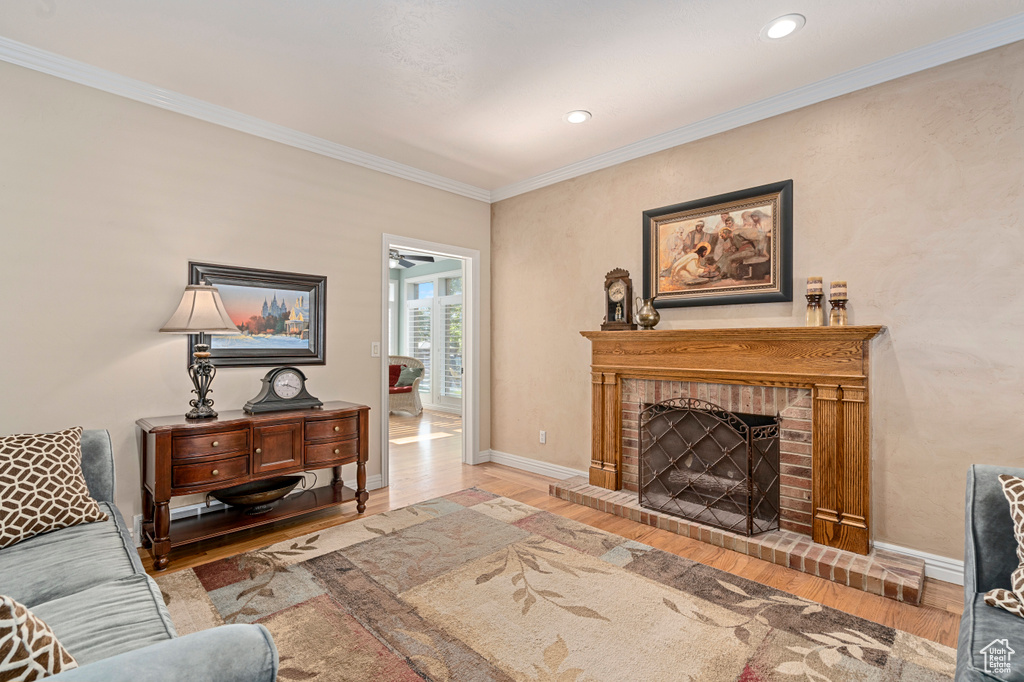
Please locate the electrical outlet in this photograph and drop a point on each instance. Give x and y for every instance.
(543, 437)
(375, 349)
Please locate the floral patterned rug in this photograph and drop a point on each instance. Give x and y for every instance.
(472, 586)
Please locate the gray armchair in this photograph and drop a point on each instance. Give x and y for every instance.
(990, 557)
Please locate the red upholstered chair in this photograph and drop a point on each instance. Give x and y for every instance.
(403, 398)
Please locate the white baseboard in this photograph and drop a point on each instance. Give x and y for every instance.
(481, 457)
(935, 566)
(372, 483)
(535, 466)
(200, 508)
(442, 408)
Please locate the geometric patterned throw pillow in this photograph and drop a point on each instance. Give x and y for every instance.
(1012, 601)
(28, 648)
(41, 485)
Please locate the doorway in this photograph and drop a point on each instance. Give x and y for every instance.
(430, 326)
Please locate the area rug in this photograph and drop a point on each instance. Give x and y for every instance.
(472, 586)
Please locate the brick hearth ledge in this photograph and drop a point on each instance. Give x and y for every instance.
(887, 574)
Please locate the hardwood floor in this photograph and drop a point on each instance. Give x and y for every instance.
(426, 463)
(424, 448)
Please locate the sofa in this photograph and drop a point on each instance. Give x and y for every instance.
(986, 632)
(87, 583)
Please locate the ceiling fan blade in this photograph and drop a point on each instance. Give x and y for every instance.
(405, 263)
(425, 259)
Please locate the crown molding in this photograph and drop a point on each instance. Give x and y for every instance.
(75, 71)
(950, 49)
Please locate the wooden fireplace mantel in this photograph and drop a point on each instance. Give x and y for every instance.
(831, 361)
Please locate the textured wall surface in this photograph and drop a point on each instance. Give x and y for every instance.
(103, 201)
(911, 190)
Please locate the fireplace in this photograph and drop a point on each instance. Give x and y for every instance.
(813, 379)
(706, 464)
(821, 371)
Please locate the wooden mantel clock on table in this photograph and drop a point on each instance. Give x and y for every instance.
(186, 456)
(618, 301)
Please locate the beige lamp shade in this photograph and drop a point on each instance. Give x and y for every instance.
(201, 311)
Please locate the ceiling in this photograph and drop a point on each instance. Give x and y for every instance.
(475, 90)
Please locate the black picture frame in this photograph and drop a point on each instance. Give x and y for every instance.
(312, 287)
(772, 260)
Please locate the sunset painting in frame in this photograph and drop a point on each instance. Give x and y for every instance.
(279, 315)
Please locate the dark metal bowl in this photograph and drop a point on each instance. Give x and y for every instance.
(257, 497)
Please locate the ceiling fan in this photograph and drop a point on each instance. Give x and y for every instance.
(398, 260)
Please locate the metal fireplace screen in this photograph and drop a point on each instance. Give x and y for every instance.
(708, 465)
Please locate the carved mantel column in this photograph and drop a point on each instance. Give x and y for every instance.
(606, 450)
(832, 361)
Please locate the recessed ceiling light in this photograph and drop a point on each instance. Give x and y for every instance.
(783, 26)
(578, 116)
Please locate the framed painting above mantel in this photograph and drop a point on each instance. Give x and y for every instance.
(281, 316)
(727, 249)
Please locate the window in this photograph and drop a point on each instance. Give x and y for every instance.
(433, 335)
(419, 336)
(452, 286)
(393, 317)
(421, 290)
(452, 350)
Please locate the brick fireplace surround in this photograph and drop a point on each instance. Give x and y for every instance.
(793, 405)
(815, 379)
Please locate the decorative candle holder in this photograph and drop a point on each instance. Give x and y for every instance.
(815, 315)
(837, 316)
(837, 297)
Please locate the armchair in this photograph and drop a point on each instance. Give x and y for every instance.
(404, 398)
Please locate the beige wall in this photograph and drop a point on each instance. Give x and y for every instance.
(910, 190)
(103, 201)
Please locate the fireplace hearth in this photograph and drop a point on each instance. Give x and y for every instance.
(703, 463)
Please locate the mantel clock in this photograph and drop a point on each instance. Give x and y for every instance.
(618, 300)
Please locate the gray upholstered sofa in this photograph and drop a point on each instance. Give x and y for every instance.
(989, 559)
(87, 583)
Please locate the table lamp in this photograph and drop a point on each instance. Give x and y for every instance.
(201, 311)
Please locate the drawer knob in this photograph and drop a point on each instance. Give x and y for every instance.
(337, 428)
(214, 472)
(337, 451)
(259, 451)
(216, 443)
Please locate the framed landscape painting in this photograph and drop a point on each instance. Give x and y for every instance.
(281, 316)
(727, 249)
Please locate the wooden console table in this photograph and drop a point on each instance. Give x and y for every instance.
(185, 456)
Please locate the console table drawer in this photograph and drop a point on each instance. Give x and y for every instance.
(332, 428)
(210, 444)
(189, 475)
(326, 453)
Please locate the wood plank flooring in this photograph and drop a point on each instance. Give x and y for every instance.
(426, 463)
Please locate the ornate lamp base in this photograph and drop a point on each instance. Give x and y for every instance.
(201, 372)
(201, 411)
